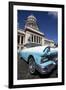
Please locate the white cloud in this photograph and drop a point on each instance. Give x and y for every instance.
(54, 14)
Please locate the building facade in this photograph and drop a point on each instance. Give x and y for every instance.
(31, 36)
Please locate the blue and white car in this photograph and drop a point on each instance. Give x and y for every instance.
(40, 58)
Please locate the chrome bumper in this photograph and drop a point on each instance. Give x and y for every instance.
(46, 69)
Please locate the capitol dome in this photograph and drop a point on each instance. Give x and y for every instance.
(31, 17)
(32, 22)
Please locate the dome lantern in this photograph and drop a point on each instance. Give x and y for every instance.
(32, 22)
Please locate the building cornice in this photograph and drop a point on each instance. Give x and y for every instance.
(34, 31)
(21, 32)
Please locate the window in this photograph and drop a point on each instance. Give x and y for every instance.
(21, 39)
(21, 47)
(18, 39)
(18, 47)
(47, 49)
(31, 37)
(34, 38)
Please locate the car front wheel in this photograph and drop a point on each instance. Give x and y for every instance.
(31, 65)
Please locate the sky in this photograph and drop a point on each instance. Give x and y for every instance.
(47, 22)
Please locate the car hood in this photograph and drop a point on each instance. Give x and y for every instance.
(39, 50)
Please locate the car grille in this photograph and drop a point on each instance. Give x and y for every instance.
(50, 66)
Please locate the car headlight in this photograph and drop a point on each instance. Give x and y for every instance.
(55, 58)
(43, 59)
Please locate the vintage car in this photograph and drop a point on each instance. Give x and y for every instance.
(40, 58)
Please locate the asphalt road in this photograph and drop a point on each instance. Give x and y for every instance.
(23, 72)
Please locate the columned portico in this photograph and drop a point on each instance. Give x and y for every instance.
(20, 39)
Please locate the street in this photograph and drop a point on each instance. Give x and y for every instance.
(23, 72)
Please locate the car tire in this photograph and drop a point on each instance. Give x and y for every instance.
(32, 65)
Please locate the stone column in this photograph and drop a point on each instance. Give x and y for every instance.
(41, 40)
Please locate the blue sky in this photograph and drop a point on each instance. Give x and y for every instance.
(47, 22)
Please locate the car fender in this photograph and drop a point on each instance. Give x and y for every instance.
(36, 57)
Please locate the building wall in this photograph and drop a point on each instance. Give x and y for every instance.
(20, 41)
(47, 42)
(31, 37)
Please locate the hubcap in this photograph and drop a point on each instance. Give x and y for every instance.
(31, 65)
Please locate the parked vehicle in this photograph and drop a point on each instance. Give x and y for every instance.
(40, 58)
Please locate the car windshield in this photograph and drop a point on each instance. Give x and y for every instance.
(46, 50)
